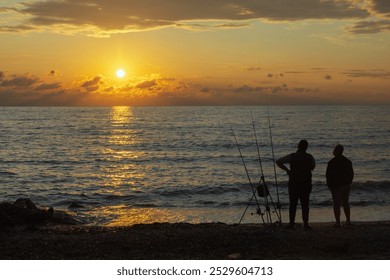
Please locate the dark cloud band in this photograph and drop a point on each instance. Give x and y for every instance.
(128, 15)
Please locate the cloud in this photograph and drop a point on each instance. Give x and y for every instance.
(381, 22)
(147, 84)
(284, 88)
(111, 16)
(7, 10)
(248, 89)
(381, 7)
(232, 25)
(17, 28)
(370, 27)
(51, 86)
(254, 69)
(18, 81)
(276, 76)
(368, 74)
(328, 77)
(11, 20)
(92, 84)
(154, 90)
(53, 73)
(26, 89)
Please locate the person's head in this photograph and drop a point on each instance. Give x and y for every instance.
(302, 145)
(338, 150)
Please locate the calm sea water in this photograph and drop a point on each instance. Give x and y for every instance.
(128, 165)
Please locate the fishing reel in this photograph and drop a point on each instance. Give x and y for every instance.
(258, 212)
(262, 189)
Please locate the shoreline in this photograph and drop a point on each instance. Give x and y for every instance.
(184, 241)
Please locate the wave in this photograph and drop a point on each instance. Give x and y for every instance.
(372, 186)
(7, 173)
(236, 188)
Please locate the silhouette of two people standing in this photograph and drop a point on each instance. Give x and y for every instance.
(339, 177)
(300, 183)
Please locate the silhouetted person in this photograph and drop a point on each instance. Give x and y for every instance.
(339, 176)
(299, 183)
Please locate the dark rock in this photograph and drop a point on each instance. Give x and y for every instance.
(25, 203)
(24, 212)
(61, 217)
(5, 219)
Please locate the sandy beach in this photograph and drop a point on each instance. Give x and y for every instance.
(362, 240)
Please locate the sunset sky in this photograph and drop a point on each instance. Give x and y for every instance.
(194, 52)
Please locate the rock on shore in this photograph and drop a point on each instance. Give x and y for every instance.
(24, 212)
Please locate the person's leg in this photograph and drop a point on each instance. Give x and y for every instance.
(345, 203)
(304, 198)
(336, 198)
(293, 205)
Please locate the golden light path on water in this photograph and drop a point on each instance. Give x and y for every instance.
(121, 171)
(123, 215)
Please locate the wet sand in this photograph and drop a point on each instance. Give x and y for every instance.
(362, 240)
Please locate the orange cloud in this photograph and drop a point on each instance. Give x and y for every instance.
(92, 84)
(51, 86)
(28, 89)
(18, 81)
(376, 73)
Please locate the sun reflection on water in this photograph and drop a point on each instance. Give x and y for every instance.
(122, 215)
(121, 133)
(119, 172)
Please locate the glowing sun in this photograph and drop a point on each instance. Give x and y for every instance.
(120, 73)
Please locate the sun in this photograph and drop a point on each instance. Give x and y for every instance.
(120, 73)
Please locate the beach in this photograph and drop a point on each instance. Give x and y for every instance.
(207, 241)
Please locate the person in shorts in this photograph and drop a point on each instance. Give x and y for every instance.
(339, 177)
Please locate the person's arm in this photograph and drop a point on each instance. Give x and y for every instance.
(328, 175)
(313, 163)
(350, 173)
(282, 161)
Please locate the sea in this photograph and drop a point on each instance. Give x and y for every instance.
(117, 166)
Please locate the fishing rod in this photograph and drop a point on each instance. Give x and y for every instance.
(279, 206)
(262, 188)
(249, 179)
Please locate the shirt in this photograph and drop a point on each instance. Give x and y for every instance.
(339, 172)
(301, 165)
